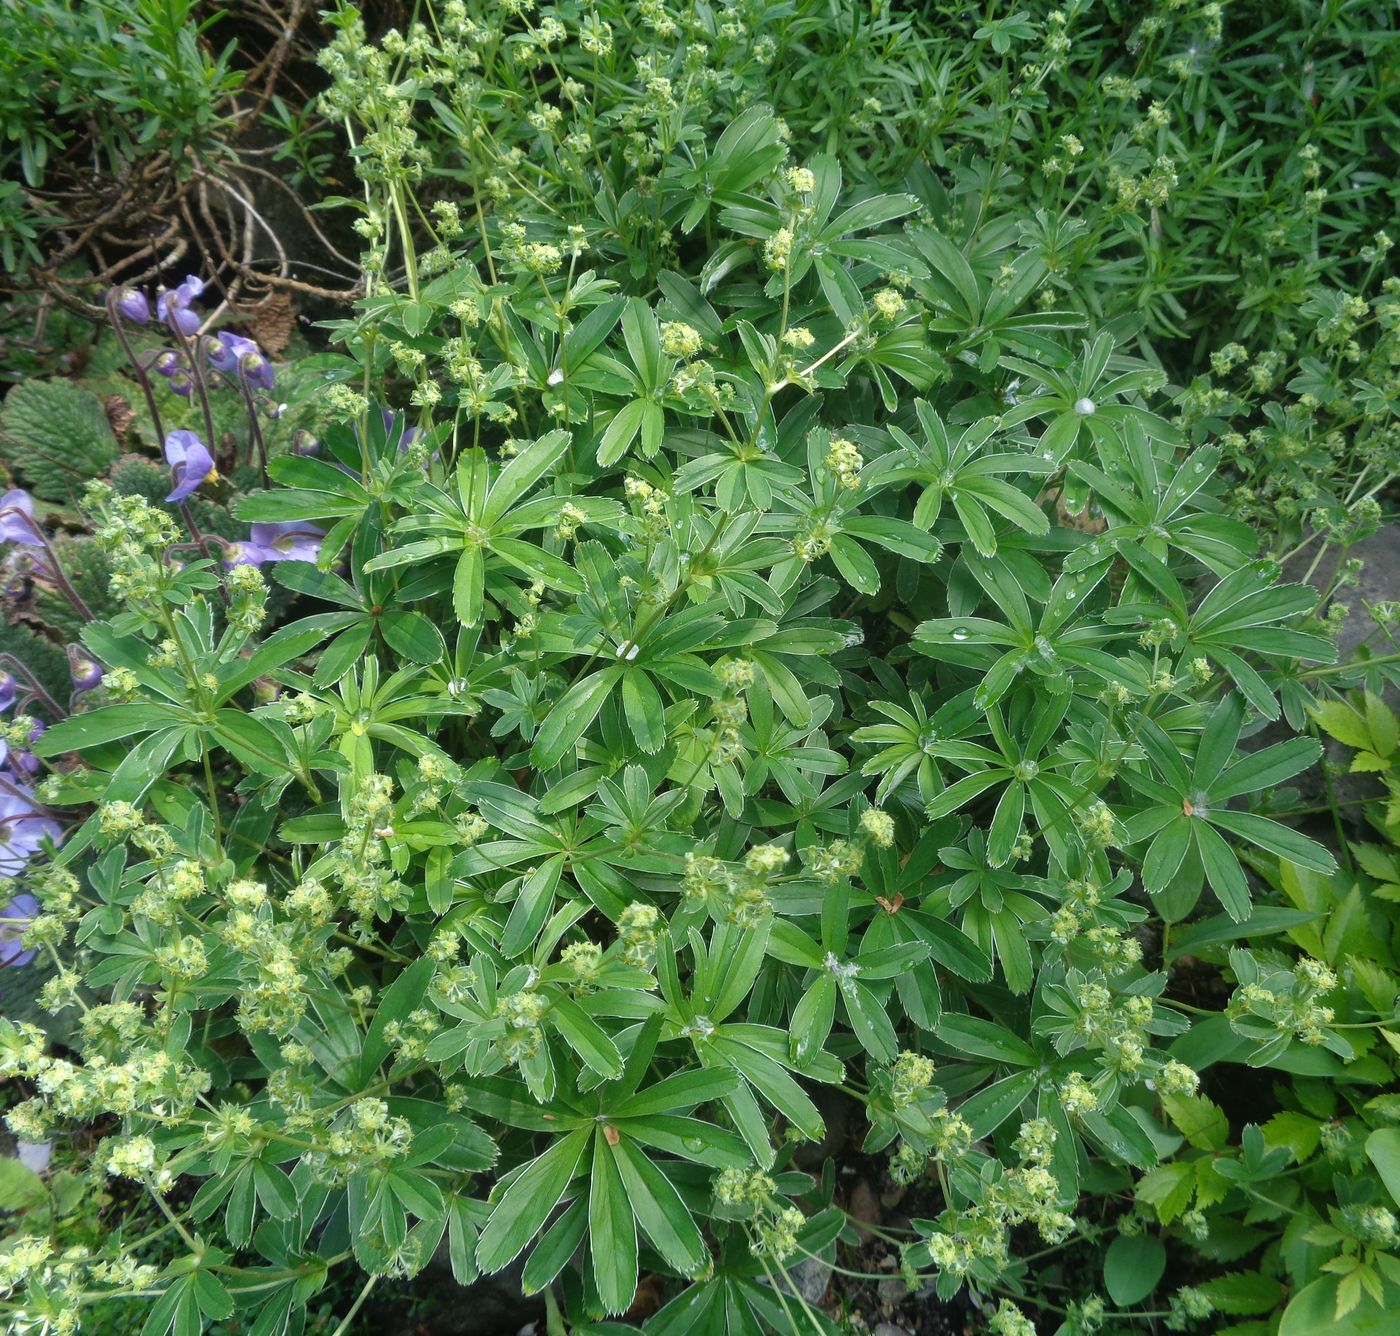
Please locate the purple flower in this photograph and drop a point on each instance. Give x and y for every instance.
(133, 305)
(17, 523)
(237, 356)
(190, 463)
(9, 689)
(173, 306)
(23, 826)
(289, 541)
(86, 672)
(22, 910)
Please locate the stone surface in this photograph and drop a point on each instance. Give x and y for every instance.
(809, 1278)
(1379, 582)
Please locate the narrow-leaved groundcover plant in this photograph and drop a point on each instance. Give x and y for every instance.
(779, 668)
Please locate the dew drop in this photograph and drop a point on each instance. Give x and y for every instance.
(960, 633)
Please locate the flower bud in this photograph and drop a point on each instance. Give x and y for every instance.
(86, 672)
(133, 305)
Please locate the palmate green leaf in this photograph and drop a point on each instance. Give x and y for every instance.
(413, 635)
(469, 586)
(556, 1247)
(748, 149)
(812, 1019)
(642, 335)
(985, 1039)
(855, 564)
(1006, 824)
(1165, 854)
(572, 715)
(586, 1038)
(257, 743)
(176, 1311)
(1277, 839)
(522, 1209)
(282, 506)
(770, 1080)
(1266, 768)
(952, 949)
(962, 791)
(953, 278)
(523, 471)
(110, 723)
(868, 213)
(1383, 1150)
(619, 434)
(659, 1210)
(991, 1106)
(418, 1195)
(869, 1023)
(612, 1228)
(1222, 870)
(681, 1090)
(644, 709)
(533, 904)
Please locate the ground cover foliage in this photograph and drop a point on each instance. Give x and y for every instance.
(766, 619)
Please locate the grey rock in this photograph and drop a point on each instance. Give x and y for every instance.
(893, 1290)
(809, 1278)
(1379, 582)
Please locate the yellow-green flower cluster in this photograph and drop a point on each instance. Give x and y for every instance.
(909, 1078)
(681, 340)
(734, 894)
(1026, 1194)
(639, 930)
(845, 462)
(833, 862)
(1290, 1003)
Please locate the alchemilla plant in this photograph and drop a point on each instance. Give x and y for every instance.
(783, 675)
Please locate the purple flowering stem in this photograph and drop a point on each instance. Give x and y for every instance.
(192, 526)
(142, 378)
(254, 426)
(192, 350)
(34, 688)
